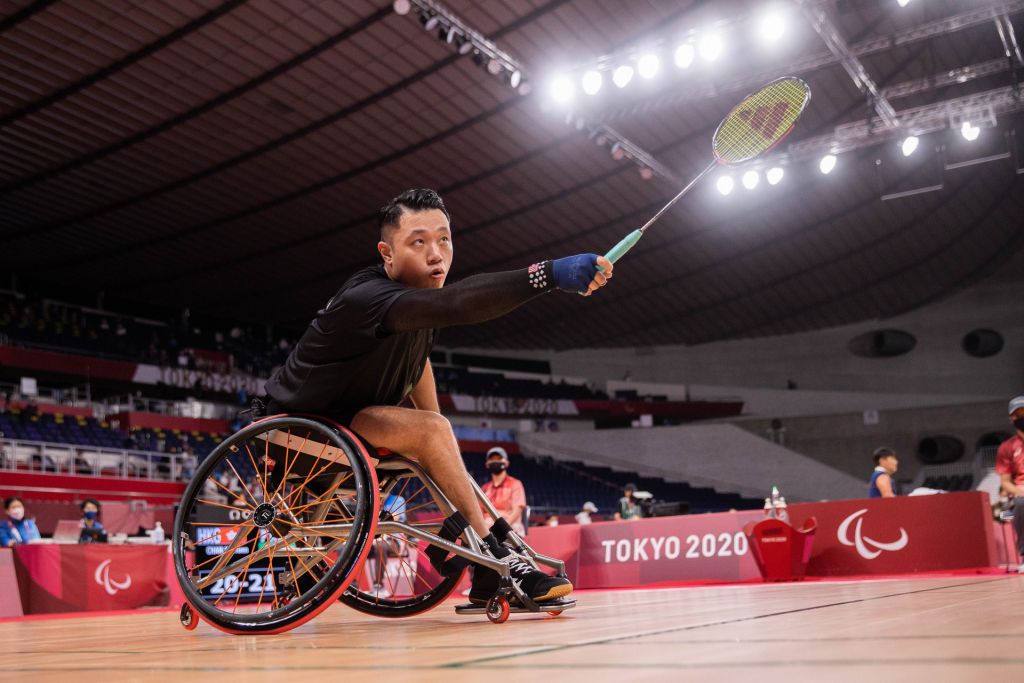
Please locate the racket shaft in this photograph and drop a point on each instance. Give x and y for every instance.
(678, 196)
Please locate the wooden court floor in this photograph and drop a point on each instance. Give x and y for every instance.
(937, 629)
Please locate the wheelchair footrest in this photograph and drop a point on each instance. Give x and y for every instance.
(548, 606)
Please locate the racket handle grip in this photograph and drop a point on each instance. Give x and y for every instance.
(619, 250)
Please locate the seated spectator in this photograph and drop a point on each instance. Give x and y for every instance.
(551, 520)
(16, 528)
(629, 506)
(92, 528)
(882, 484)
(583, 516)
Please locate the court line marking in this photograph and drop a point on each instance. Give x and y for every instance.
(693, 627)
(488, 661)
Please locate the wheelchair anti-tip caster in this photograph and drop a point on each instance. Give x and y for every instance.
(188, 617)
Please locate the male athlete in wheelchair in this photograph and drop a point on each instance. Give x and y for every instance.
(324, 499)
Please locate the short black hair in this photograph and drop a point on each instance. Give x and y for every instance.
(411, 200)
(882, 452)
(85, 502)
(10, 501)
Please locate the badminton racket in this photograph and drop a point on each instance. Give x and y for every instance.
(753, 127)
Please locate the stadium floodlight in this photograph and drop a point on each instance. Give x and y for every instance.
(827, 163)
(774, 175)
(724, 184)
(772, 25)
(683, 56)
(710, 47)
(592, 81)
(909, 145)
(561, 89)
(429, 20)
(647, 66)
(970, 131)
(622, 76)
(751, 179)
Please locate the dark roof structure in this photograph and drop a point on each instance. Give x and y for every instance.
(230, 156)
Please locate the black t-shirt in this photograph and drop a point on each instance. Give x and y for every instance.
(346, 360)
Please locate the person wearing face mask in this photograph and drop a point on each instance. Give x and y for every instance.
(504, 491)
(92, 529)
(16, 528)
(1010, 468)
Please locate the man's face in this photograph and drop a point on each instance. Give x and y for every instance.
(890, 463)
(419, 252)
(1017, 415)
(494, 466)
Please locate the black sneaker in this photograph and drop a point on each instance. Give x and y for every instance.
(537, 585)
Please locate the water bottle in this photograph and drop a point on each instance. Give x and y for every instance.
(158, 533)
(780, 510)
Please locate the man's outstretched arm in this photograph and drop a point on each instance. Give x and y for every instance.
(484, 297)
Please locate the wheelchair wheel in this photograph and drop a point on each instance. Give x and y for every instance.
(397, 579)
(274, 525)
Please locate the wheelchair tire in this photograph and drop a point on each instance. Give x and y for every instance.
(397, 580)
(291, 473)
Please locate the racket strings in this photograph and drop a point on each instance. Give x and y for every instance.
(759, 122)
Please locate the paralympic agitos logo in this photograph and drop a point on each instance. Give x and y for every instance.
(868, 548)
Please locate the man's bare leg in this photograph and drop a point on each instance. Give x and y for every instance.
(427, 438)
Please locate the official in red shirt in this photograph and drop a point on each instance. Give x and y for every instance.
(505, 492)
(1010, 467)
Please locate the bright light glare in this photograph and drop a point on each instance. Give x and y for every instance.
(751, 179)
(711, 47)
(684, 56)
(969, 131)
(773, 25)
(902, 3)
(725, 184)
(622, 76)
(592, 82)
(561, 89)
(908, 145)
(774, 175)
(827, 163)
(647, 66)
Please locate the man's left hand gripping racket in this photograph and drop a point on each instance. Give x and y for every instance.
(753, 127)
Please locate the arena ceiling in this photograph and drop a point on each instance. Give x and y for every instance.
(230, 157)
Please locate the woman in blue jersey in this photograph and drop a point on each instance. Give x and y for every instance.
(16, 528)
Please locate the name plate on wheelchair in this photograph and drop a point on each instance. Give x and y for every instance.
(292, 443)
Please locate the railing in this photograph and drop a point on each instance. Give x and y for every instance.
(93, 461)
(175, 408)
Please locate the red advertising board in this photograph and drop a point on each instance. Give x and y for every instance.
(73, 578)
(900, 535)
(853, 537)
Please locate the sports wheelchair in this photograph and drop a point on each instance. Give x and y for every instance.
(292, 513)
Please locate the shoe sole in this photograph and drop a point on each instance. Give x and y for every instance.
(553, 594)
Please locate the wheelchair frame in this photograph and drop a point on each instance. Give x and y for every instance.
(387, 470)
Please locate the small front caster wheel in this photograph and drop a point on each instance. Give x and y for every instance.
(498, 609)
